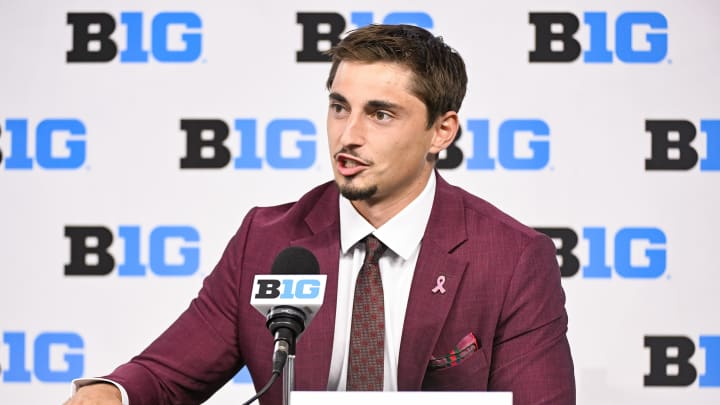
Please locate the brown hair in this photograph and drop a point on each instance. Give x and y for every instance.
(439, 71)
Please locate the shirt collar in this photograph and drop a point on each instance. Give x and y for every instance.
(402, 233)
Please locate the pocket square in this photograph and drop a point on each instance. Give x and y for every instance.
(464, 348)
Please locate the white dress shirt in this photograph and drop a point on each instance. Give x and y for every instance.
(402, 234)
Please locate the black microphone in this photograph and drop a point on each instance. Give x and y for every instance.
(287, 321)
(289, 298)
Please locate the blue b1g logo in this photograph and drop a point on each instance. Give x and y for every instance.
(637, 252)
(92, 37)
(54, 144)
(19, 345)
(90, 254)
(288, 289)
(516, 144)
(207, 146)
(555, 37)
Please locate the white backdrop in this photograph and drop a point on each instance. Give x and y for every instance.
(242, 65)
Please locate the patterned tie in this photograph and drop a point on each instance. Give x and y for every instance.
(367, 334)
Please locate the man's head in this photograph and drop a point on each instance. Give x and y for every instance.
(440, 80)
(394, 95)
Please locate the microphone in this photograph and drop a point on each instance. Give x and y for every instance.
(289, 298)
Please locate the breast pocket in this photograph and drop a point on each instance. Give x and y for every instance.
(464, 368)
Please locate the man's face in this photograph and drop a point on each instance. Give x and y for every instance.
(377, 133)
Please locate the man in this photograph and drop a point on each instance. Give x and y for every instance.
(472, 298)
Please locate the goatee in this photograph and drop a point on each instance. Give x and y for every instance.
(355, 193)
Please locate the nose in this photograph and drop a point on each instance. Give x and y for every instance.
(354, 131)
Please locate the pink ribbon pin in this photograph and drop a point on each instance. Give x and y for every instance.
(439, 287)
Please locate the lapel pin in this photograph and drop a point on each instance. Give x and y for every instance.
(439, 286)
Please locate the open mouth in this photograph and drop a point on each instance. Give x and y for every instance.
(349, 165)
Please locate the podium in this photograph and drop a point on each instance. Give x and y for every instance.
(402, 397)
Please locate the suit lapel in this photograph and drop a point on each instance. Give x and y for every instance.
(314, 349)
(427, 311)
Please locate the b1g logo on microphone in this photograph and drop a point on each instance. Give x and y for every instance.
(640, 37)
(55, 357)
(298, 290)
(174, 37)
(171, 251)
(670, 361)
(289, 143)
(517, 144)
(671, 145)
(288, 287)
(639, 253)
(321, 31)
(52, 144)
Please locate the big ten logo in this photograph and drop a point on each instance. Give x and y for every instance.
(166, 251)
(52, 144)
(289, 288)
(518, 144)
(635, 252)
(172, 37)
(670, 361)
(321, 31)
(288, 144)
(306, 291)
(671, 147)
(640, 37)
(55, 356)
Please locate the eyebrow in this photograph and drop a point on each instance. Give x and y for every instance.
(370, 105)
(338, 97)
(381, 105)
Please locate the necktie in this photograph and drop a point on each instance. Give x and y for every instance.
(367, 333)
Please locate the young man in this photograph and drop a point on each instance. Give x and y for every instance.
(472, 298)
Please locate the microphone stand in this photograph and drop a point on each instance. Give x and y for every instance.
(286, 323)
(289, 377)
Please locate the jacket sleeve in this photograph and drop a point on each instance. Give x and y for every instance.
(198, 353)
(531, 354)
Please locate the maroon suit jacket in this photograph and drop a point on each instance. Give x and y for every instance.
(502, 285)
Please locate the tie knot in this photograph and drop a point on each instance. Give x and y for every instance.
(373, 249)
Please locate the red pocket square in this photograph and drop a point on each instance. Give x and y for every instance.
(465, 347)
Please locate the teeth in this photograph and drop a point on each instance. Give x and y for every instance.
(350, 163)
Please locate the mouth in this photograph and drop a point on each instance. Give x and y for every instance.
(348, 165)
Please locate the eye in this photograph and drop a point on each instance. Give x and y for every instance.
(381, 115)
(337, 108)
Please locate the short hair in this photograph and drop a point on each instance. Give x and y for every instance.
(440, 79)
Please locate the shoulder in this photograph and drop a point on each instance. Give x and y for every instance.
(322, 198)
(265, 231)
(497, 243)
(481, 216)
(478, 231)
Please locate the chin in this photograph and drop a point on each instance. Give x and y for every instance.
(354, 193)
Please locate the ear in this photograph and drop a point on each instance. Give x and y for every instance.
(444, 132)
